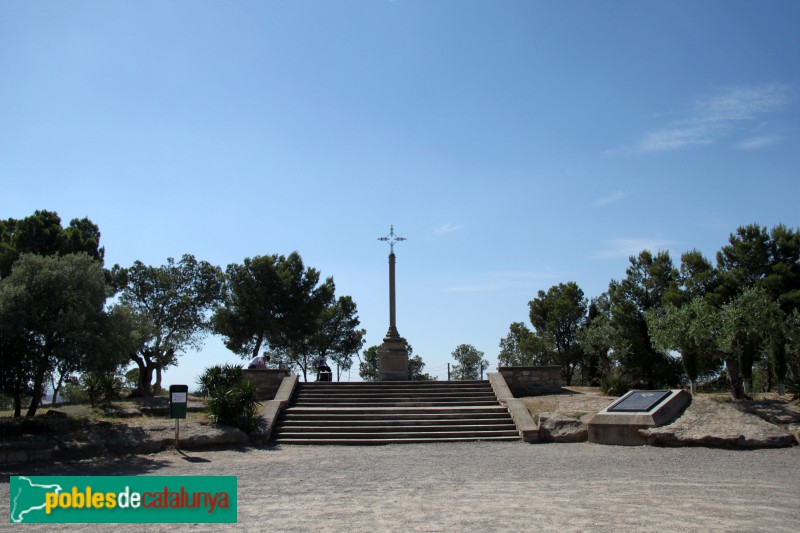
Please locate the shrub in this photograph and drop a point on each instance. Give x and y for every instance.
(101, 389)
(218, 377)
(614, 384)
(6, 402)
(74, 391)
(236, 406)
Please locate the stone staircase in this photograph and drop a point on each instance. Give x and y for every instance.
(392, 412)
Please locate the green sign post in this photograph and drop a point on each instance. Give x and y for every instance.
(178, 398)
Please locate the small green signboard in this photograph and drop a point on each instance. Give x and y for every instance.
(178, 397)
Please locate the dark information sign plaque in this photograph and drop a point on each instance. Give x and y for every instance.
(639, 401)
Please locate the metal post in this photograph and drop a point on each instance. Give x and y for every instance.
(177, 431)
(448, 371)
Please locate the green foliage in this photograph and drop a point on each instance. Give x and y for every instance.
(101, 389)
(236, 406)
(6, 402)
(596, 339)
(219, 378)
(51, 317)
(469, 361)
(337, 335)
(558, 315)
(415, 367)
(690, 329)
(523, 347)
(614, 384)
(42, 234)
(167, 312)
(75, 392)
(650, 283)
(369, 367)
(276, 300)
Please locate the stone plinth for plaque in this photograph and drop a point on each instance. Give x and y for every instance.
(620, 422)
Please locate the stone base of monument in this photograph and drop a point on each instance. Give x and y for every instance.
(620, 422)
(393, 360)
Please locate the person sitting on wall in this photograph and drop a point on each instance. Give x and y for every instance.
(259, 362)
(322, 366)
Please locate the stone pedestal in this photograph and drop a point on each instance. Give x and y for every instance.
(611, 426)
(393, 360)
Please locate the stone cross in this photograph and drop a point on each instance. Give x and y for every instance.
(392, 239)
(393, 354)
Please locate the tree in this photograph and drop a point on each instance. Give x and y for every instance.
(651, 282)
(337, 335)
(42, 234)
(596, 340)
(523, 347)
(51, 316)
(370, 366)
(170, 304)
(276, 301)
(559, 315)
(756, 257)
(470, 363)
(415, 367)
(250, 311)
(746, 322)
(691, 329)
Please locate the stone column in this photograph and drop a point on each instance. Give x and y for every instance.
(394, 357)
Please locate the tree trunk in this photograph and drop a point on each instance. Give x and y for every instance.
(17, 404)
(57, 390)
(145, 378)
(257, 346)
(36, 399)
(157, 385)
(693, 387)
(734, 377)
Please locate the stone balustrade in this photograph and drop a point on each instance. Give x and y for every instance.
(532, 380)
(267, 380)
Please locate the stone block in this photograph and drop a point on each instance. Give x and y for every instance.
(622, 428)
(268, 381)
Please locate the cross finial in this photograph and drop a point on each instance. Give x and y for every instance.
(391, 239)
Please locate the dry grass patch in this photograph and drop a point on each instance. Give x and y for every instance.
(536, 406)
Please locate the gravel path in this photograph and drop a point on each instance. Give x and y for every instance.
(479, 487)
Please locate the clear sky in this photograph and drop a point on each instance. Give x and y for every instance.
(515, 144)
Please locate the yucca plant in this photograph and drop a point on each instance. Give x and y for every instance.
(236, 406)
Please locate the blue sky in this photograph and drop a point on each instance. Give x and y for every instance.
(516, 144)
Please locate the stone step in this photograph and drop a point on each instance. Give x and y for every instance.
(370, 421)
(392, 384)
(398, 428)
(343, 441)
(388, 410)
(398, 403)
(431, 393)
(474, 434)
(393, 412)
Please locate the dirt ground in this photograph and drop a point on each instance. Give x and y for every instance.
(481, 486)
(478, 486)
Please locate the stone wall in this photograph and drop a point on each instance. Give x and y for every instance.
(532, 380)
(268, 381)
